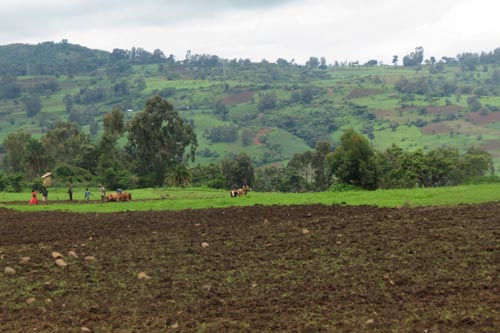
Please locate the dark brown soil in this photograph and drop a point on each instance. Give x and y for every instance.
(266, 269)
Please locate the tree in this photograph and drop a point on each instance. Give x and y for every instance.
(32, 104)
(179, 175)
(475, 163)
(9, 88)
(68, 102)
(246, 137)
(209, 175)
(353, 161)
(414, 58)
(15, 151)
(221, 110)
(267, 179)
(267, 102)
(313, 62)
(64, 142)
(321, 175)
(395, 60)
(238, 171)
(37, 159)
(157, 141)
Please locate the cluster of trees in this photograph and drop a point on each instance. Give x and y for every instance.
(50, 58)
(354, 162)
(160, 144)
(158, 141)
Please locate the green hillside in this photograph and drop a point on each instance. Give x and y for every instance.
(268, 110)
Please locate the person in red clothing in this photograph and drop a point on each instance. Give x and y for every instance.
(34, 199)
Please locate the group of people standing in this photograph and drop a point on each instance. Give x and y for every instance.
(87, 194)
(45, 194)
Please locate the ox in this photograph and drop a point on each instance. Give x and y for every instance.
(240, 192)
(114, 197)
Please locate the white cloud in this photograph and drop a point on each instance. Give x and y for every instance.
(336, 29)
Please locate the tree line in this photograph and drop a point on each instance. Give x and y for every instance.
(356, 164)
(160, 149)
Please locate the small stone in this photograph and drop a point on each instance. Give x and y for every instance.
(89, 258)
(85, 329)
(9, 271)
(72, 254)
(30, 300)
(175, 326)
(204, 245)
(61, 263)
(305, 231)
(56, 255)
(24, 260)
(370, 321)
(254, 284)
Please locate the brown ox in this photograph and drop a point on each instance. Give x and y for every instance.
(240, 192)
(124, 196)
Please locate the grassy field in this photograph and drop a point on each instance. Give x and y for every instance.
(198, 198)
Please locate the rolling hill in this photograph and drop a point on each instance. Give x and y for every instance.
(268, 110)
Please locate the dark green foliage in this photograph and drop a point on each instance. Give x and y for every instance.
(439, 167)
(66, 173)
(208, 175)
(9, 88)
(353, 161)
(157, 140)
(414, 58)
(267, 179)
(15, 148)
(291, 181)
(221, 110)
(32, 105)
(267, 102)
(246, 137)
(50, 58)
(179, 175)
(12, 182)
(238, 171)
(64, 142)
(114, 178)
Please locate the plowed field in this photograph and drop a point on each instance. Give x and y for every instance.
(253, 269)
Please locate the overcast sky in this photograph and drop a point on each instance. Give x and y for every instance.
(260, 29)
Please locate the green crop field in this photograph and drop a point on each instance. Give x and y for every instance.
(198, 198)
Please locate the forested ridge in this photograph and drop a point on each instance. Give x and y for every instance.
(278, 125)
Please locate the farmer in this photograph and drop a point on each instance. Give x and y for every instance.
(33, 200)
(102, 192)
(87, 195)
(45, 195)
(70, 189)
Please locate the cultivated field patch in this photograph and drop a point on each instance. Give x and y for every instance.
(253, 269)
(238, 98)
(483, 119)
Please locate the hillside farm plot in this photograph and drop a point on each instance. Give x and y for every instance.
(253, 269)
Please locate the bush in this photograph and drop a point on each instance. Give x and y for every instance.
(11, 183)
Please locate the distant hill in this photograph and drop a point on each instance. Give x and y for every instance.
(50, 58)
(269, 110)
